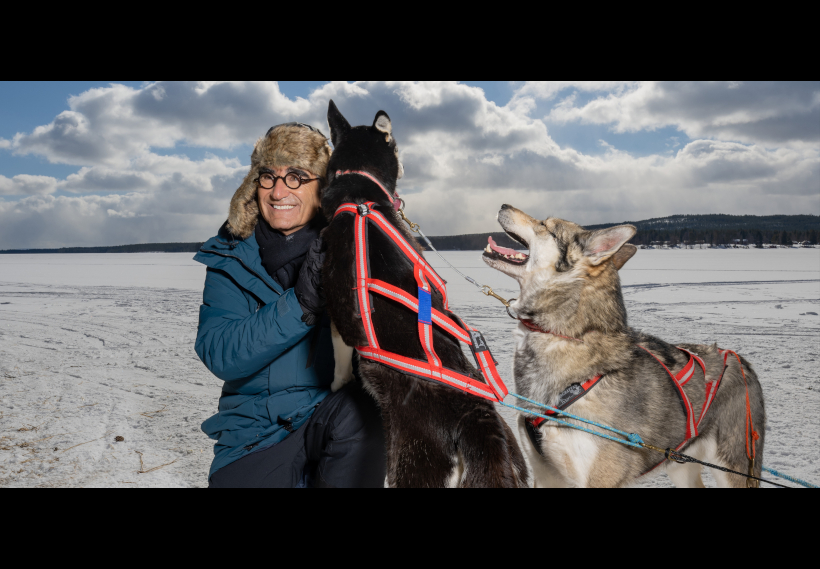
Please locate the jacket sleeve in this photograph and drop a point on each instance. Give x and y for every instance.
(234, 342)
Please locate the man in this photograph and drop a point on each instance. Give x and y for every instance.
(263, 330)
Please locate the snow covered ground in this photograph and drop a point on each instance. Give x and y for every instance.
(94, 347)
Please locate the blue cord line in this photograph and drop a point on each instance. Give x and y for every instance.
(631, 436)
(631, 443)
(634, 440)
(789, 478)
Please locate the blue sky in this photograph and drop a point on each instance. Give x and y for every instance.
(113, 162)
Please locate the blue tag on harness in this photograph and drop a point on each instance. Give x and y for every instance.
(424, 306)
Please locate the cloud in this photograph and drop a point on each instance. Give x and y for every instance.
(5, 143)
(548, 89)
(763, 112)
(463, 155)
(25, 185)
(109, 125)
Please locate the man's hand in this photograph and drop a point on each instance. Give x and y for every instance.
(308, 287)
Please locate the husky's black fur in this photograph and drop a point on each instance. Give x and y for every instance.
(427, 425)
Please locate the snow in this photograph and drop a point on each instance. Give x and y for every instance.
(98, 346)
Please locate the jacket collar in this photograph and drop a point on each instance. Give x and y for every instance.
(240, 259)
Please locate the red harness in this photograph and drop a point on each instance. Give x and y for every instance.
(577, 390)
(366, 216)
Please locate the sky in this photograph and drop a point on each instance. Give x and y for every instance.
(89, 163)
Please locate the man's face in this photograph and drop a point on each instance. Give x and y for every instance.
(288, 210)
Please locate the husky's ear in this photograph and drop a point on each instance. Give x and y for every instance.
(383, 124)
(604, 243)
(337, 123)
(623, 255)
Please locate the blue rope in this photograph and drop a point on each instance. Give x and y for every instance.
(632, 443)
(789, 478)
(631, 436)
(634, 440)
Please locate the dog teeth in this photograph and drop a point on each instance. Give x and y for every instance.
(488, 250)
(520, 256)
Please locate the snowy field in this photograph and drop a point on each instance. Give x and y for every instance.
(94, 347)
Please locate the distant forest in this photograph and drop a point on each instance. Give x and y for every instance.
(142, 248)
(714, 229)
(721, 229)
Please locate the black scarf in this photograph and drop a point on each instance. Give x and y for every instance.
(283, 255)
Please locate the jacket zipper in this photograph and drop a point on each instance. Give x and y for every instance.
(241, 262)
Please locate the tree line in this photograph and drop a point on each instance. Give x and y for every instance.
(713, 229)
(722, 229)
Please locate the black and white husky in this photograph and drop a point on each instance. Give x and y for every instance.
(435, 435)
(576, 330)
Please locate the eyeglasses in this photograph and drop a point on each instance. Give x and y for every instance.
(299, 124)
(292, 180)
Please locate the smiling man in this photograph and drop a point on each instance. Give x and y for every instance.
(263, 330)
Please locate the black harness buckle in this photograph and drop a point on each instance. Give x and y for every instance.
(363, 209)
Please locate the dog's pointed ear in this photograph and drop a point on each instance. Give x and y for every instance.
(383, 124)
(604, 243)
(337, 123)
(625, 253)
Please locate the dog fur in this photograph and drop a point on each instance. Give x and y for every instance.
(435, 435)
(570, 286)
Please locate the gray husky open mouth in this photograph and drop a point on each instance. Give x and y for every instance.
(505, 254)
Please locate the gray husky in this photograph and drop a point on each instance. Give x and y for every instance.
(574, 329)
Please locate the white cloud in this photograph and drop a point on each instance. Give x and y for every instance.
(109, 125)
(463, 155)
(5, 143)
(768, 112)
(26, 185)
(548, 89)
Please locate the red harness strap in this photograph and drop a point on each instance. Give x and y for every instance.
(394, 198)
(679, 380)
(569, 396)
(751, 435)
(425, 276)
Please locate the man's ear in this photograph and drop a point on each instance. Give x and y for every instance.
(625, 253)
(604, 243)
(383, 124)
(337, 123)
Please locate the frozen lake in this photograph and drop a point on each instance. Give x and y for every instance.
(98, 346)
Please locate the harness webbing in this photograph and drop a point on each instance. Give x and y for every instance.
(569, 396)
(679, 380)
(426, 277)
(372, 178)
(576, 391)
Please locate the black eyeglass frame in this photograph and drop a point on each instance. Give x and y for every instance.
(284, 178)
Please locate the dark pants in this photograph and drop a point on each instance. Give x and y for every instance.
(340, 446)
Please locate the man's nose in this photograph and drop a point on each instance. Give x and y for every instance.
(280, 190)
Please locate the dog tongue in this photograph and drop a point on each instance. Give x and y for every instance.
(501, 250)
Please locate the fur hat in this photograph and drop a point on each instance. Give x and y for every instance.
(283, 146)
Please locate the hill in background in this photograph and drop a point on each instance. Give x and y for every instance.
(714, 229)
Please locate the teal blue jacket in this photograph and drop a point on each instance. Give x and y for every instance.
(276, 369)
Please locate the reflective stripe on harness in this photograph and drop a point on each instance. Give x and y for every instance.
(679, 380)
(432, 369)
